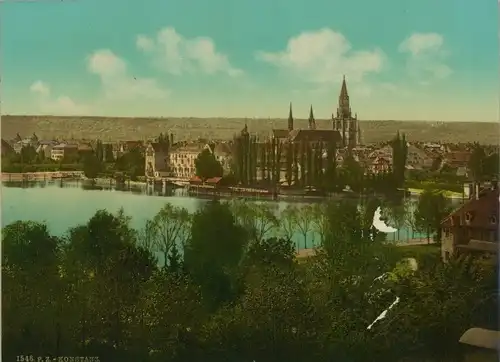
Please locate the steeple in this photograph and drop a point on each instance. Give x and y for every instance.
(244, 131)
(344, 109)
(343, 90)
(290, 118)
(312, 122)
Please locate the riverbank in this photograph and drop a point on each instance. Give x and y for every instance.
(447, 193)
(41, 176)
(111, 182)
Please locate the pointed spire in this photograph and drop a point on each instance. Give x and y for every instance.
(244, 131)
(312, 122)
(290, 118)
(343, 89)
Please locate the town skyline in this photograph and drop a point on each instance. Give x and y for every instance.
(251, 60)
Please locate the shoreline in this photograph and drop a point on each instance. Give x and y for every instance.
(111, 182)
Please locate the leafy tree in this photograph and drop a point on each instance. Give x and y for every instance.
(319, 220)
(28, 245)
(437, 163)
(91, 166)
(207, 165)
(288, 219)
(32, 300)
(258, 219)
(303, 221)
(491, 166)
(174, 260)
(28, 154)
(132, 163)
(476, 162)
(214, 251)
(352, 173)
(397, 215)
(171, 226)
(271, 251)
(432, 207)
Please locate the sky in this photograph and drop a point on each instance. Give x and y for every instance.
(403, 60)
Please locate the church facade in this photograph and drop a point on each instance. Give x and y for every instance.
(346, 129)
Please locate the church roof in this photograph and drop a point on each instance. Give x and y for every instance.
(280, 133)
(314, 135)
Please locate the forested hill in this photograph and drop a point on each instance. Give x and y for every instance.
(116, 128)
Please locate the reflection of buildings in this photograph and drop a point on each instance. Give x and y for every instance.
(473, 228)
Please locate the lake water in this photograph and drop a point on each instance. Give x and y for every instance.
(62, 206)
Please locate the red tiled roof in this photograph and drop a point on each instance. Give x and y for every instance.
(482, 210)
(457, 157)
(213, 180)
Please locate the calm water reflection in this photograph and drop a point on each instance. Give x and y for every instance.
(65, 204)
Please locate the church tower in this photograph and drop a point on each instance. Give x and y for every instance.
(344, 122)
(312, 122)
(290, 118)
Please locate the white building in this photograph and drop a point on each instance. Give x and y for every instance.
(181, 159)
(63, 150)
(46, 147)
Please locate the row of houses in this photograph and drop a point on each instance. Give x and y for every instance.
(180, 159)
(50, 149)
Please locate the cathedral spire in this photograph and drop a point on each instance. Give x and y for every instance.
(343, 90)
(312, 122)
(344, 109)
(290, 118)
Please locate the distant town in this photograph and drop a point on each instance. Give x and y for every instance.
(287, 157)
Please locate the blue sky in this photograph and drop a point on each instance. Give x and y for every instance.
(406, 60)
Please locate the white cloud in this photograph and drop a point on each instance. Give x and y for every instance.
(427, 56)
(61, 105)
(40, 88)
(323, 56)
(177, 55)
(118, 83)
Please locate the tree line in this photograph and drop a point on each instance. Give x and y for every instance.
(229, 292)
(311, 164)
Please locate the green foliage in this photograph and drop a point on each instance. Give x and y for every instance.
(207, 165)
(92, 166)
(228, 295)
(483, 167)
(132, 163)
(214, 251)
(432, 207)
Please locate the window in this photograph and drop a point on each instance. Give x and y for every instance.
(468, 216)
(493, 219)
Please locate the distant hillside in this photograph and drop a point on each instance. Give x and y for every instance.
(114, 129)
